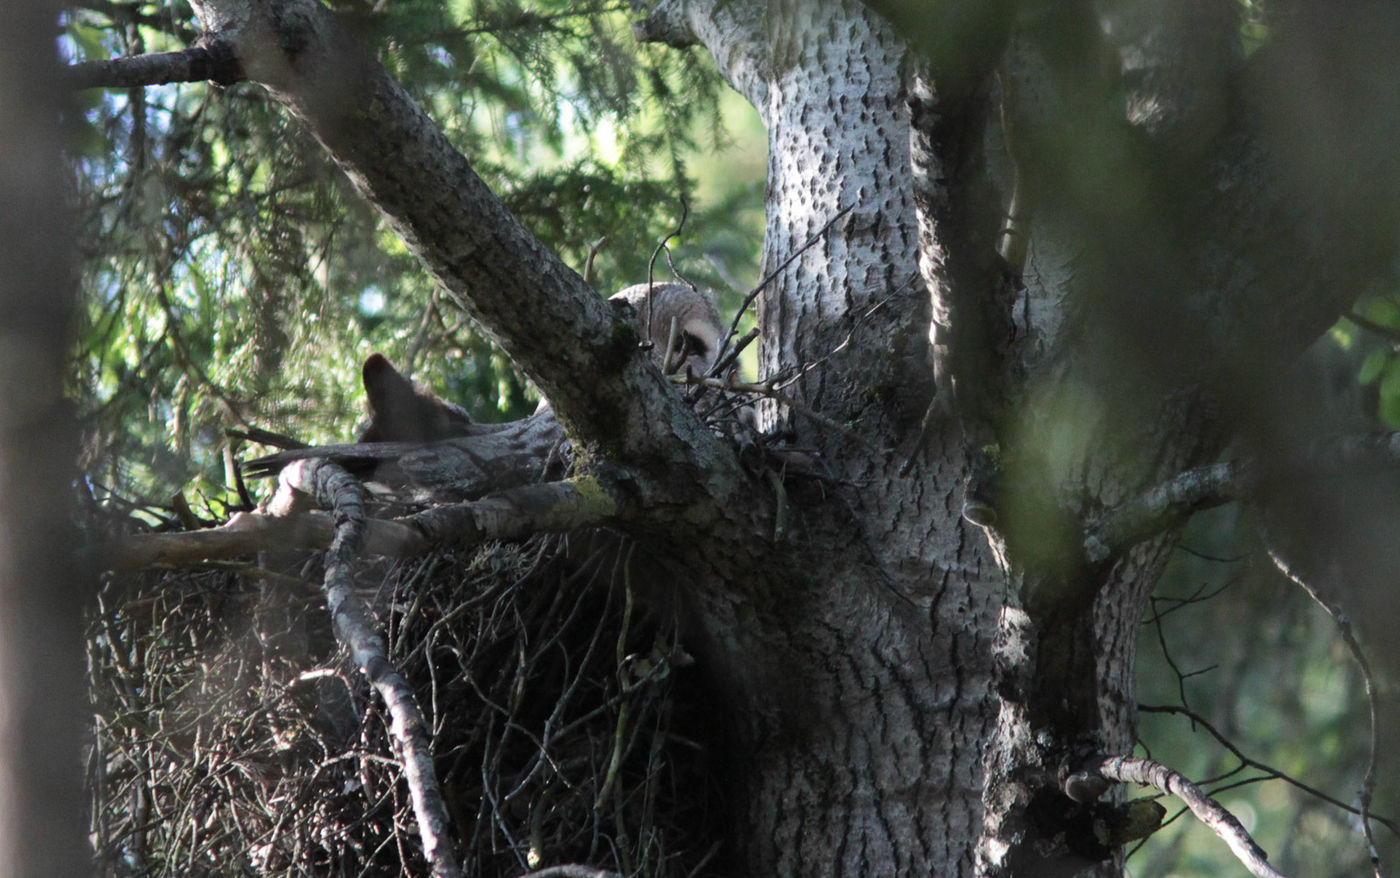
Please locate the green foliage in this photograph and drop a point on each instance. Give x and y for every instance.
(232, 279)
(1377, 332)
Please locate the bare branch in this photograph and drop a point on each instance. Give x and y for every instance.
(1209, 811)
(1166, 504)
(1269, 770)
(1172, 501)
(213, 62)
(549, 508)
(355, 629)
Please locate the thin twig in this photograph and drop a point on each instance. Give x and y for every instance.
(1320, 588)
(769, 278)
(1273, 773)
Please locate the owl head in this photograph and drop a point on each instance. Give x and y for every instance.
(693, 311)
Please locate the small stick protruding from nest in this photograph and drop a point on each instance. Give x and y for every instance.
(354, 627)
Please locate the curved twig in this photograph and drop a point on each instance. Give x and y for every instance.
(1271, 773)
(1321, 590)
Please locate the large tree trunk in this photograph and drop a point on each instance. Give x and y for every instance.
(870, 683)
(904, 692)
(913, 698)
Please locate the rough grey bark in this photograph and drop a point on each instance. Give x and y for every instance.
(904, 692)
(41, 588)
(1169, 265)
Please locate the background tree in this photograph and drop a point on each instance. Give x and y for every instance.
(41, 588)
(1042, 262)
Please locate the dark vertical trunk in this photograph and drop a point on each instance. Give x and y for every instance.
(41, 597)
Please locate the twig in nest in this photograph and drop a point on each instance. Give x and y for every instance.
(353, 627)
(769, 390)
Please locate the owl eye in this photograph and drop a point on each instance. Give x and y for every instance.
(694, 346)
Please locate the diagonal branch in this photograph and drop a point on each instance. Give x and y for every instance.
(354, 627)
(1171, 502)
(1270, 772)
(605, 391)
(1167, 504)
(1210, 812)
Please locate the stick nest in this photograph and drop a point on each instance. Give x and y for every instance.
(231, 737)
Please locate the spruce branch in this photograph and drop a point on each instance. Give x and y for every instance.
(212, 62)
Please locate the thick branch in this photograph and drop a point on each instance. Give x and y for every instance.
(554, 507)
(1166, 504)
(1209, 811)
(734, 33)
(605, 391)
(214, 62)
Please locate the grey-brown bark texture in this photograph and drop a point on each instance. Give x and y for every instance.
(41, 594)
(903, 692)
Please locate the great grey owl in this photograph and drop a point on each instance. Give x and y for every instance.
(401, 411)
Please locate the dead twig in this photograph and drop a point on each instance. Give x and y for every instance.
(354, 628)
(1210, 812)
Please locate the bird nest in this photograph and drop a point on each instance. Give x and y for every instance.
(232, 736)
